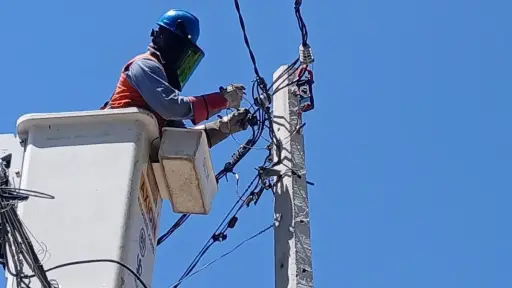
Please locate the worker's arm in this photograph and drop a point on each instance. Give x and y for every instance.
(148, 77)
(221, 129)
(217, 131)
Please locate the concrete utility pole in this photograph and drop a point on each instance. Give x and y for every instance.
(292, 242)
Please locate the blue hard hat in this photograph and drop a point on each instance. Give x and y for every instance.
(189, 28)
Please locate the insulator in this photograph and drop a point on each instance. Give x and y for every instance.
(306, 54)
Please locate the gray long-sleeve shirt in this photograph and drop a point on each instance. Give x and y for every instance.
(148, 77)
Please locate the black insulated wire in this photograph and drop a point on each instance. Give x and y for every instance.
(259, 88)
(221, 229)
(264, 117)
(300, 21)
(15, 240)
(223, 255)
(247, 44)
(228, 168)
(92, 261)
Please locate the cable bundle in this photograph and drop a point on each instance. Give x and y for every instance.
(263, 119)
(16, 243)
(261, 181)
(14, 238)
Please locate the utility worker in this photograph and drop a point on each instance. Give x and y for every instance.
(153, 80)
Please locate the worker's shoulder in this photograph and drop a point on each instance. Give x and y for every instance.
(145, 70)
(145, 63)
(146, 60)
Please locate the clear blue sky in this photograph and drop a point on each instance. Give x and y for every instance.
(409, 145)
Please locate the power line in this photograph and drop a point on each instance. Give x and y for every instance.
(262, 99)
(302, 25)
(228, 168)
(259, 79)
(219, 234)
(257, 186)
(223, 255)
(15, 239)
(82, 262)
(259, 94)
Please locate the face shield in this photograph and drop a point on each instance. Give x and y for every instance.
(186, 64)
(182, 57)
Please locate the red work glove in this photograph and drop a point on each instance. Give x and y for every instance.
(208, 105)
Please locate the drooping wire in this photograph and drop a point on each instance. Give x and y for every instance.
(259, 79)
(223, 255)
(291, 69)
(14, 238)
(263, 118)
(219, 233)
(253, 191)
(228, 168)
(259, 88)
(92, 261)
(183, 218)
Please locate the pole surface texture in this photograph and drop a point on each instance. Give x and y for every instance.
(292, 242)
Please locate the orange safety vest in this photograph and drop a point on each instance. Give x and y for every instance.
(125, 95)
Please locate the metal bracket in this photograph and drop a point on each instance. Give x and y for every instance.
(304, 89)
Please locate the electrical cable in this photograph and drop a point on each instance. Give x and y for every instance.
(241, 152)
(260, 79)
(13, 235)
(15, 239)
(228, 168)
(261, 98)
(259, 89)
(82, 262)
(302, 25)
(223, 255)
(220, 233)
